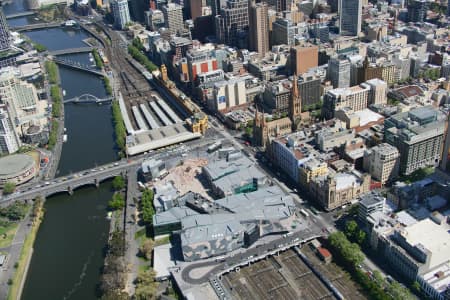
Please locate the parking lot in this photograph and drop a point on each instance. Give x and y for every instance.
(277, 277)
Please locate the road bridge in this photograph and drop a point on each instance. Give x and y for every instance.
(21, 14)
(78, 66)
(68, 184)
(71, 51)
(88, 98)
(35, 26)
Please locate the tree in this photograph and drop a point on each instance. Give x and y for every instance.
(146, 286)
(397, 291)
(114, 274)
(115, 295)
(350, 252)
(249, 132)
(118, 183)
(117, 244)
(351, 228)
(117, 202)
(415, 287)
(9, 187)
(360, 237)
(147, 206)
(146, 249)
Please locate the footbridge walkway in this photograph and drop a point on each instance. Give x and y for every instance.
(88, 98)
(78, 66)
(21, 14)
(71, 51)
(35, 26)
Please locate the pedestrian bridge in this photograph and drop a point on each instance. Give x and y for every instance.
(35, 26)
(77, 66)
(21, 14)
(71, 51)
(88, 98)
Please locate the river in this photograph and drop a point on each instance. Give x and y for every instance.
(69, 248)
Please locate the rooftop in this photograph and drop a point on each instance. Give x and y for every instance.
(15, 164)
(428, 235)
(439, 277)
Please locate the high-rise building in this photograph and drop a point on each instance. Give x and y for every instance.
(232, 23)
(382, 162)
(283, 32)
(259, 28)
(378, 91)
(418, 135)
(197, 7)
(309, 88)
(350, 12)
(280, 5)
(155, 19)
(295, 103)
(304, 57)
(137, 9)
(121, 13)
(5, 37)
(446, 152)
(355, 97)
(9, 141)
(339, 72)
(417, 10)
(173, 16)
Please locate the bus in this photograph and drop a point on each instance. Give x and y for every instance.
(217, 145)
(304, 212)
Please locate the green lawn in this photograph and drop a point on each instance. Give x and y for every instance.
(24, 257)
(7, 234)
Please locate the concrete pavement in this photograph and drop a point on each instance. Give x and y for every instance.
(7, 270)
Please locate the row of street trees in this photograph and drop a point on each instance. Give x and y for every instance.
(350, 256)
(118, 199)
(147, 206)
(137, 54)
(119, 127)
(97, 59)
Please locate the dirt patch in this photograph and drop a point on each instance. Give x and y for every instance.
(185, 177)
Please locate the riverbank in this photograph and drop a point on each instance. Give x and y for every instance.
(23, 263)
(119, 128)
(57, 124)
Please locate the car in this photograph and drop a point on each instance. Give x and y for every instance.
(116, 163)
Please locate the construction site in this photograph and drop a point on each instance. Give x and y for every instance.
(185, 177)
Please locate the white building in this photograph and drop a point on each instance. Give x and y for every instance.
(121, 13)
(382, 162)
(173, 17)
(378, 91)
(355, 97)
(229, 93)
(21, 101)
